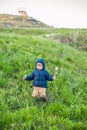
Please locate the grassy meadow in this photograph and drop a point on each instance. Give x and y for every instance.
(66, 108)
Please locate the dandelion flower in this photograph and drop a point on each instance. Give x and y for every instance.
(56, 68)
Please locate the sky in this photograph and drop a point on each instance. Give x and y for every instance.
(56, 13)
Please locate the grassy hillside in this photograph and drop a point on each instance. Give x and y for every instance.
(17, 21)
(67, 105)
(76, 38)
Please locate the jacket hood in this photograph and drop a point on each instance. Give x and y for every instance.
(40, 60)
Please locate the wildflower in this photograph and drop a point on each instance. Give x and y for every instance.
(56, 68)
(27, 63)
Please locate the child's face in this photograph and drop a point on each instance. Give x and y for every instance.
(39, 66)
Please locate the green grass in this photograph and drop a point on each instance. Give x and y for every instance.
(76, 38)
(67, 105)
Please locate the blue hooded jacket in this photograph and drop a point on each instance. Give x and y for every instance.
(40, 77)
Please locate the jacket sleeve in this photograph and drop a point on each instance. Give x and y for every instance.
(48, 76)
(30, 77)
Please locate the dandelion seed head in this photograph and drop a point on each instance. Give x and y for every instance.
(56, 68)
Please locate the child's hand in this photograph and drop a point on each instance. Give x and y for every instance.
(54, 77)
(24, 77)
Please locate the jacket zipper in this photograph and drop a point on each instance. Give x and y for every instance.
(39, 77)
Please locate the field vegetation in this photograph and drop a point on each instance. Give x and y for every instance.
(66, 108)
